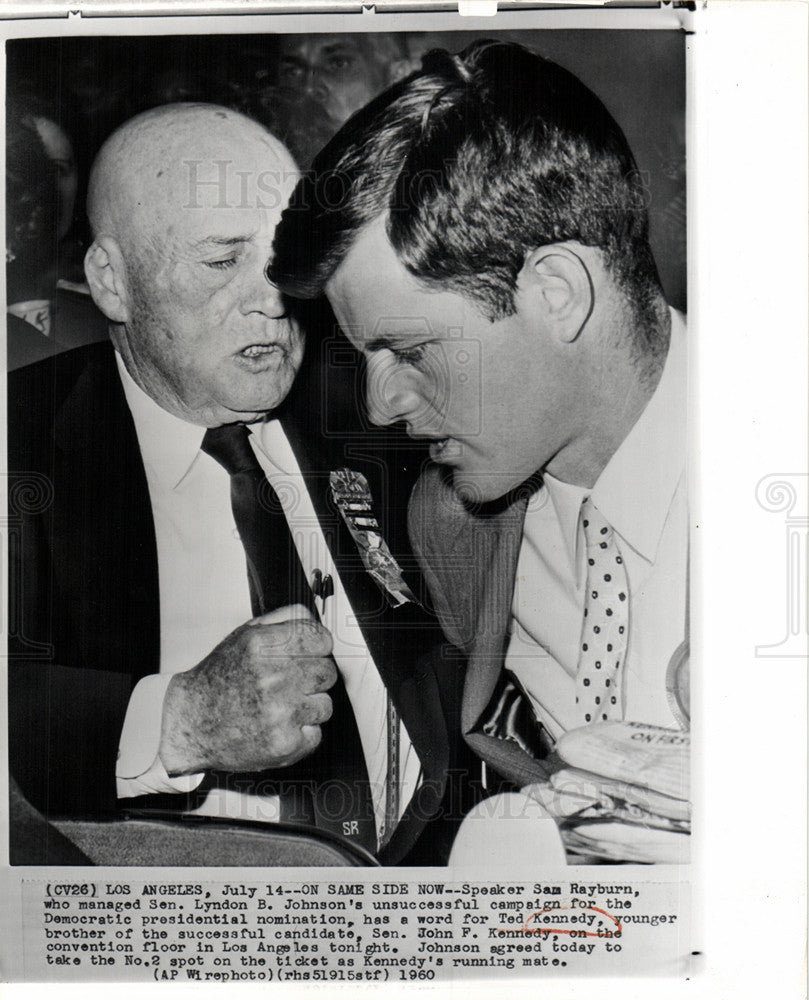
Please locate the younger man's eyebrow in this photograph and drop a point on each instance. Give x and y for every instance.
(393, 340)
(378, 344)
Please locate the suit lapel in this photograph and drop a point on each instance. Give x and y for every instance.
(105, 553)
(470, 561)
(394, 636)
(498, 539)
(404, 642)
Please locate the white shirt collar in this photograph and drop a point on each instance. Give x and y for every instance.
(270, 438)
(567, 500)
(635, 489)
(169, 446)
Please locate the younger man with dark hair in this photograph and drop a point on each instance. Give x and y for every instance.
(480, 230)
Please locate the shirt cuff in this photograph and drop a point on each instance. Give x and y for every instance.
(139, 770)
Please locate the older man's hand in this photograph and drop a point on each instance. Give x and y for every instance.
(257, 701)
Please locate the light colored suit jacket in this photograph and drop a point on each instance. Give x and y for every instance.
(469, 560)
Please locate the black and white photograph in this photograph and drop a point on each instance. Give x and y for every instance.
(354, 479)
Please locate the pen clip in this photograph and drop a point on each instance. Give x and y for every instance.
(322, 586)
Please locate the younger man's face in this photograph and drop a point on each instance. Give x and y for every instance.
(489, 396)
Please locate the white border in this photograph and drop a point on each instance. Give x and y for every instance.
(748, 302)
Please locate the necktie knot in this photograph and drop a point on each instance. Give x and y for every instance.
(597, 532)
(230, 447)
(274, 568)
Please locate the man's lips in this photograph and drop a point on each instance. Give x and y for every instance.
(258, 358)
(442, 449)
(446, 450)
(260, 350)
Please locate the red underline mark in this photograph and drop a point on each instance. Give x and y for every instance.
(525, 929)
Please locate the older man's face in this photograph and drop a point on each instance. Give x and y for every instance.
(208, 336)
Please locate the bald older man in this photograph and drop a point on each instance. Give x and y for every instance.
(166, 635)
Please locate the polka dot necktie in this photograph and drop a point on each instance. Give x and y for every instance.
(606, 618)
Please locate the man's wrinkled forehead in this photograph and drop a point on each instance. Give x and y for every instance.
(229, 165)
(261, 183)
(219, 202)
(203, 164)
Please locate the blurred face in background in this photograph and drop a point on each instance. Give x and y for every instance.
(172, 84)
(340, 72)
(60, 151)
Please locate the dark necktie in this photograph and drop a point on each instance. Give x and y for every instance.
(329, 788)
(274, 570)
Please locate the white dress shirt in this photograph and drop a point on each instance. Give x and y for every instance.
(204, 595)
(642, 494)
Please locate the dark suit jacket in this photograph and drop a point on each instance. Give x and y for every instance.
(469, 559)
(75, 321)
(25, 345)
(84, 607)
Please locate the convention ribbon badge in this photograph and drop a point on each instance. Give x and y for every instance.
(352, 495)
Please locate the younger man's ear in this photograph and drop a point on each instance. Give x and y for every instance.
(557, 281)
(104, 268)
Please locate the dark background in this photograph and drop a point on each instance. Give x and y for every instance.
(97, 83)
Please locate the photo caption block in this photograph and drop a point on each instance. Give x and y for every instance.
(337, 931)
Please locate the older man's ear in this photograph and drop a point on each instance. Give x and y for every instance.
(104, 268)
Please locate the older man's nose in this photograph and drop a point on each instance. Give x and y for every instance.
(275, 306)
(264, 297)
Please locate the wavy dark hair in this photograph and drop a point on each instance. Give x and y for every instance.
(475, 160)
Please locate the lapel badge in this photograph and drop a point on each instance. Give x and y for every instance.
(352, 496)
